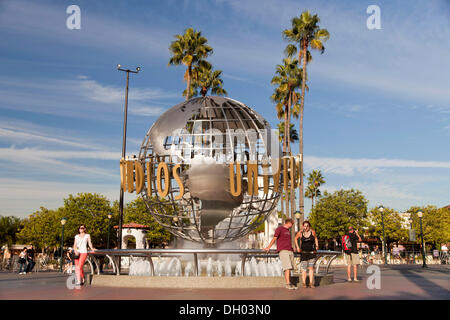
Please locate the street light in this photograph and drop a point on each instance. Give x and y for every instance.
(410, 238)
(109, 227)
(420, 214)
(63, 222)
(381, 209)
(124, 146)
(298, 216)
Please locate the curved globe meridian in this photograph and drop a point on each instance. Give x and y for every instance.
(200, 139)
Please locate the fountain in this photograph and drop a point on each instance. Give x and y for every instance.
(210, 172)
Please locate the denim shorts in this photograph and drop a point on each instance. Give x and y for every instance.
(304, 265)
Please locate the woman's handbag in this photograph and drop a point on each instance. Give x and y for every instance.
(75, 256)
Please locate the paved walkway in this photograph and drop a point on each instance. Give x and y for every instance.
(397, 282)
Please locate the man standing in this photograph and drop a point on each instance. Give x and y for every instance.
(284, 247)
(31, 262)
(352, 258)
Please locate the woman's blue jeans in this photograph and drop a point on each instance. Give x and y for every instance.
(23, 267)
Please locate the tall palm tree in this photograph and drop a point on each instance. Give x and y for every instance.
(191, 50)
(288, 78)
(293, 134)
(310, 193)
(205, 79)
(315, 180)
(306, 33)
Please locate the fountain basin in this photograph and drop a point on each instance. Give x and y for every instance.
(126, 281)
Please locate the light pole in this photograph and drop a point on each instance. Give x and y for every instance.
(381, 209)
(411, 229)
(424, 264)
(63, 222)
(109, 227)
(124, 147)
(298, 216)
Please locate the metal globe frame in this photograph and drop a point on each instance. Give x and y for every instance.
(183, 217)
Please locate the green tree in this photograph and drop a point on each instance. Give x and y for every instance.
(288, 78)
(435, 224)
(315, 180)
(91, 210)
(205, 79)
(393, 229)
(9, 227)
(136, 211)
(335, 212)
(306, 33)
(293, 135)
(189, 49)
(42, 229)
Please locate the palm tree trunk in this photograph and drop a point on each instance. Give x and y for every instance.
(286, 212)
(287, 127)
(188, 91)
(302, 104)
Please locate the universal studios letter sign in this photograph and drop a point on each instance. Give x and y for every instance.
(134, 179)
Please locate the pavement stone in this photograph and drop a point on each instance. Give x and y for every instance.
(397, 282)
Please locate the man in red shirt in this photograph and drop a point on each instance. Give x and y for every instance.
(284, 247)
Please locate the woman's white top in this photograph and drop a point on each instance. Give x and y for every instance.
(81, 243)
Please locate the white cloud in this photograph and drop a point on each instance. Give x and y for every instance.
(22, 197)
(348, 166)
(49, 162)
(148, 111)
(76, 98)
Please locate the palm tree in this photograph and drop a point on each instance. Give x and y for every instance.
(306, 33)
(315, 180)
(293, 135)
(189, 49)
(288, 78)
(205, 79)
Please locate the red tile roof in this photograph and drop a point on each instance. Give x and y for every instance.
(133, 225)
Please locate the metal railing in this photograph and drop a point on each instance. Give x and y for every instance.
(115, 255)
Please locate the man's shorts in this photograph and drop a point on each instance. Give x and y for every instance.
(287, 259)
(304, 265)
(352, 259)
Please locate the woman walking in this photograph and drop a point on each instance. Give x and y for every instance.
(23, 261)
(307, 246)
(82, 241)
(69, 261)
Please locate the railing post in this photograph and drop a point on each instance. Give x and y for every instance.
(244, 257)
(149, 257)
(196, 264)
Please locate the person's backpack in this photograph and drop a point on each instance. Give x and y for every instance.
(346, 244)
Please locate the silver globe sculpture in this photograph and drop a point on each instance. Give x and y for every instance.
(205, 135)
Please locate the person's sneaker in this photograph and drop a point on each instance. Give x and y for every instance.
(291, 287)
(356, 280)
(349, 280)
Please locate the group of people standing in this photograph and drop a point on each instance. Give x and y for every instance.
(307, 244)
(26, 260)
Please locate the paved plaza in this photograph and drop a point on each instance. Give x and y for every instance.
(397, 282)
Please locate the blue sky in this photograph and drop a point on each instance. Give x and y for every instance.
(377, 116)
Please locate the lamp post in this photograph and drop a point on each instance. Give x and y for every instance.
(298, 216)
(124, 146)
(63, 222)
(381, 210)
(109, 227)
(411, 228)
(424, 264)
